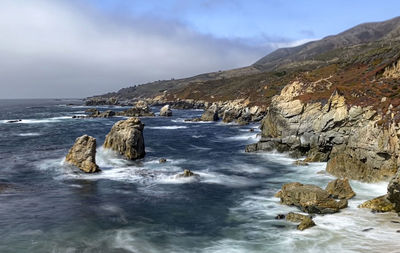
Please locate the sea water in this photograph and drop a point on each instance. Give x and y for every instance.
(141, 206)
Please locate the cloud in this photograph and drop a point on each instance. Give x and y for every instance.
(65, 49)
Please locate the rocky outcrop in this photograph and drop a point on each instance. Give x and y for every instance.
(166, 111)
(340, 188)
(94, 113)
(83, 154)
(379, 204)
(210, 114)
(140, 109)
(101, 101)
(305, 220)
(309, 198)
(126, 137)
(394, 191)
(187, 173)
(351, 139)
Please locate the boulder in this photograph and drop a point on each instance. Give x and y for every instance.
(300, 163)
(141, 109)
(83, 154)
(162, 160)
(187, 173)
(126, 137)
(394, 192)
(309, 198)
(379, 204)
(340, 188)
(305, 220)
(211, 114)
(166, 111)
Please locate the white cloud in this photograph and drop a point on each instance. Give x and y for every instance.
(54, 49)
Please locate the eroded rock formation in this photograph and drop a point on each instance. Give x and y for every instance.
(83, 154)
(126, 137)
(166, 111)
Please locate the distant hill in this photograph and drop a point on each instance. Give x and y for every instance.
(370, 46)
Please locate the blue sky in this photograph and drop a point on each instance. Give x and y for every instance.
(79, 48)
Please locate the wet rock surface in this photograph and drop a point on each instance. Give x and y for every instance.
(83, 154)
(126, 137)
(340, 188)
(305, 220)
(379, 204)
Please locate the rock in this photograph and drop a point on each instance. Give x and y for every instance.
(14, 121)
(83, 154)
(251, 130)
(305, 220)
(394, 191)
(162, 160)
(300, 163)
(366, 229)
(187, 173)
(379, 204)
(101, 101)
(141, 109)
(280, 217)
(309, 198)
(126, 137)
(166, 111)
(210, 114)
(340, 188)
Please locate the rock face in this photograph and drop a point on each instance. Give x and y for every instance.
(309, 198)
(340, 188)
(379, 204)
(126, 137)
(83, 154)
(350, 138)
(394, 192)
(166, 111)
(305, 220)
(210, 114)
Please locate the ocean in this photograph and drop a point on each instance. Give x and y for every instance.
(140, 206)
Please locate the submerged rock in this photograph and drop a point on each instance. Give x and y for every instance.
(300, 163)
(126, 137)
(309, 198)
(379, 204)
(340, 188)
(166, 111)
(187, 173)
(305, 220)
(83, 154)
(162, 160)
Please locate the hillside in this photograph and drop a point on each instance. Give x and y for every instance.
(352, 61)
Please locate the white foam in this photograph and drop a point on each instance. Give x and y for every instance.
(36, 121)
(29, 134)
(167, 127)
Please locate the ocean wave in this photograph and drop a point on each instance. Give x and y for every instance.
(29, 134)
(35, 121)
(167, 127)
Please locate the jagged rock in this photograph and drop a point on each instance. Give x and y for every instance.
(309, 198)
(141, 109)
(340, 188)
(305, 220)
(83, 154)
(394, 191)
(379, 204)
(126, 137)
(211, 114)
(166, 111)
(162, 160)
(187, 173)
(300, 163)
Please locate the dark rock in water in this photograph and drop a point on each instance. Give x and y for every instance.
(367, 229)
(166, 111)
(300, 163)
(14, 121)
(397, 231)
(394, 191)
(162, 160)
(126, 137)
(309, 198)
(395, 221)
(83, 154)
(188, 173)
(305, 220)
(280, 217)
(211, 114)
(380, 204)
(251, 130)
(340, 188)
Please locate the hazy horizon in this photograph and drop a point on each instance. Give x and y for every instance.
(76, 49)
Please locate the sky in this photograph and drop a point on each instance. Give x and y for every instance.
(80, 48)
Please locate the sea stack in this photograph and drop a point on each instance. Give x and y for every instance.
(166, 111)
(126, 137)
(83, 154)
